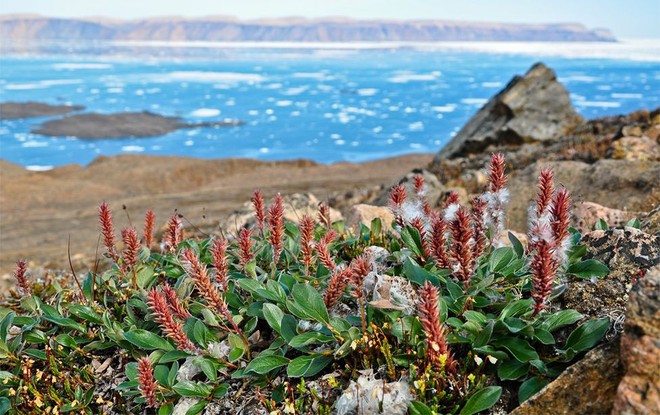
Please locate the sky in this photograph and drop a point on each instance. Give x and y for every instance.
(626, 19)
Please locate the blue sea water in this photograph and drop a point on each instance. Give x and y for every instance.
(323, 104)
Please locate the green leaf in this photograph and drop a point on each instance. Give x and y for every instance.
(172, 356)
(482, 400)
(86, 313)
(249, 285)
(516, 325)
(273, 315)
(5, 324)
(166, 409)
(601, 225)
(66, 322)
(289, 327)
(238, 348)
(517, 245)
(512, 370)
(161, 373)
(264, 364)
(500, 258)
(197, 408)
(483, 337)
(530, 387)
(5, 405)
(190, 388)
(560, 319)
(588, 269)
(419, 275)
(634, 223)
(147, 340)
(418, 408)
(39, 354)
(310, 337)
(309, 301)
(587, 335)
(544, 336)
(519, 348)
(307, 365)
(516, 308)
(413, 241)
(66, 340)
(376, 227)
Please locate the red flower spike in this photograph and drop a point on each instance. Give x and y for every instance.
(131, 246)
(172, 235)
(21, 278)
(452, 198)
(307, 240)
(108, 231)
(544, 195)
(324, 215)
(220, 263)
(259, 209)
(171, 328)
(276, 226)
(559, 215)
(174, 303)
(461, 249)
(146, 383)
(323, 252)
(360, 267)
(478, 227)
(439, 241)
(429, 316)
(245, 246)
(544, 268)
(338, 283)
(149, 219)
(496, 176)
(397, 198)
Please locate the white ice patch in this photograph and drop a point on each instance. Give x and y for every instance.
(204, 76)
(35, 167)
(405, 77)
(626, 96)
(474, 101)
(132, 149)
(284, 103)
(34, 144)
(72, 66)
(598, 104)
(205, 112)
(444, 108)
(416, 126)
(367, 92)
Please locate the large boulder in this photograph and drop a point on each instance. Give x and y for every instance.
(639, 390)
(531, 108)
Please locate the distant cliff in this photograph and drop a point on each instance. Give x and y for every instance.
(229, 29)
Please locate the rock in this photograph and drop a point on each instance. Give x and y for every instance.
(639, 390)
(366, 396)
(16, 110)
(629, 131)
(651, 221)
(364, 214)
(534, 107)
(586, 214)
(120, 125)
(625, 252)
(636, 148)
(585, 388)
(653, 133)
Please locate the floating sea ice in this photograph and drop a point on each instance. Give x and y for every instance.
(284, 103)
(205, 112)
(416, 126)
(132, 149)
(367, 92)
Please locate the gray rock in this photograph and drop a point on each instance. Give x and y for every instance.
(531, 108)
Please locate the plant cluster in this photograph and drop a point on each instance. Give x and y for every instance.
(299, 312)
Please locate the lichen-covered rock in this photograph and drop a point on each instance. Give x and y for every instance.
(636, 148)
(534, 107)
(587, 214)
(639, 390)
(394, 293)
(625, 252)
(585, 388)
(368, 395)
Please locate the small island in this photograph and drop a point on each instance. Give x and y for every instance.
(120, 125)
(17, 110)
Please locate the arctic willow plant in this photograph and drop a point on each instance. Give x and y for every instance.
(296, 313)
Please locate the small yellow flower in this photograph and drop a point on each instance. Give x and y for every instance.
(99, 400)
(39, 374)
(333, 382)
(38, 402)
(12, 392)
(5, 381)
(289, 408)
(471, 377)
